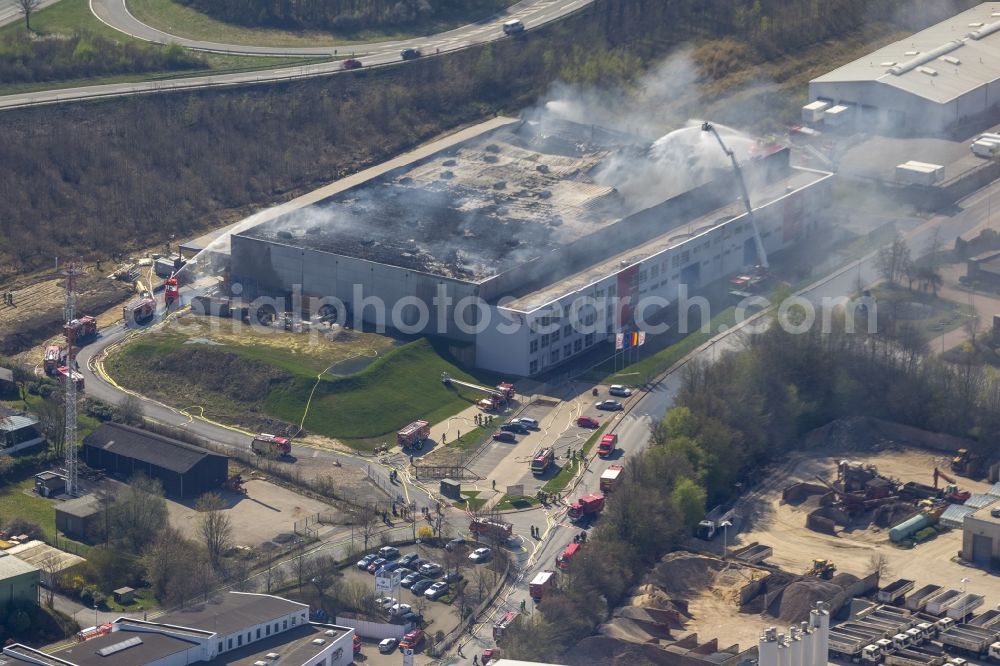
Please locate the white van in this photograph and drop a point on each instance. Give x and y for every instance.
(513, 27)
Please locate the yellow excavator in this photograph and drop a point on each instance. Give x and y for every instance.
(822, 569)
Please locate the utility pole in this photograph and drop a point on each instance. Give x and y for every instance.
(69, 383)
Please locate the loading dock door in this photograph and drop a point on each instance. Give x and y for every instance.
(982, 550)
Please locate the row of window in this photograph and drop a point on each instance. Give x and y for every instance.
(267, 632)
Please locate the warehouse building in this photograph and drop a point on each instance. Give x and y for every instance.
(514, 227)
(923, 84)
(237, 629)
(185, 470)
(18, 580)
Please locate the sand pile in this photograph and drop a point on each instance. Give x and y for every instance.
(796, 600)
(681, 575)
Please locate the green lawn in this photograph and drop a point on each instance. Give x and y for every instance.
(470, 500)
(143, 598)
(559, 482)
(70, 16)
(18, 500)
(645, 370)
(182, 21)
(931, 315)
(508, 503)
(402, 386)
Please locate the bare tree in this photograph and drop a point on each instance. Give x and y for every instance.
(139, 513)
(28, 7)
(50, 565)
(879, 563)
(214, 525)
(130, 410)
(367, 522)
(934, 247)
(52, 421)
(893, 258)
(105, 494)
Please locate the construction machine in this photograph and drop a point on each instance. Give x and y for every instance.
(951, 491)
(966, 463)
(822, 569)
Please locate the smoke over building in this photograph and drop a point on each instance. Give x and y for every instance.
(526, 218)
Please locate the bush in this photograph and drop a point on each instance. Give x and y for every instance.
(100, 410)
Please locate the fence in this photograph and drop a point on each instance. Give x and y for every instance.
(376, 630)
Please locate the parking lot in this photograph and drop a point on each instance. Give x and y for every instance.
(438, 615)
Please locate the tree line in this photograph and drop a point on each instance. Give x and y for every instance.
(100, 177)
(731, 419)
(25, 58)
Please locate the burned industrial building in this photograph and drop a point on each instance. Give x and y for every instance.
(524, 217)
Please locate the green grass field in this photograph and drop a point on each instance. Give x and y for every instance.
(18, 500)
(238, 382)
(182, 21)
(559, 482)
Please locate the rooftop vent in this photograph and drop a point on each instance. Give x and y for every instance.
(911, 53)
(984, 31)
(331, 632)
(927, 70)
(272, 655)
(976, 24)
(888, 63)
(319, 641)
(118, 647)
(951, 59)
(923, 59)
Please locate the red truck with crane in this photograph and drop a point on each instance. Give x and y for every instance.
(586, 508)
(496, 398)
(272, 446)
(413, 436)
(171, 292)
(951, 491)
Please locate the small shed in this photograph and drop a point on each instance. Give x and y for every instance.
(124, 595)
(451, 489)
(49, 484)
(78, 518)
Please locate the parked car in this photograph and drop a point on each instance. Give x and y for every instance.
(388, 645)
(489, 654)
(399, 609)
(588, 422)
(609, 405)
(376, 564)
(620, 391)
(531, 424)
(412, 578)
(417, 563)
(513, 26)
(388, 552)
(411, 617)
(352, 63)
(514, 426)
(421, 586)
(365, 561)
(436, 591)
(452, 577)
(431, 569)
(412, 639)
(387, 568)
(410, 54)
(386, 602)
(504, 436)
(454, 544)
(480, 554)
(407, 560)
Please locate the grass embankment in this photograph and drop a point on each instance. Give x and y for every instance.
(559, 482)
(470, 500)
(252, 383)
(645, 370)
(69, 17)
(184, 21)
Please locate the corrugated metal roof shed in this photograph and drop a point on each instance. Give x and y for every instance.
(940, 63)
(979, 500)
(994, 490)
(955, 515)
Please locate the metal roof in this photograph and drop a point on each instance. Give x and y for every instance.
(17, 422)
(994, 490)
(232, 612)
(11, 566)
(940, 63)
(149, 447)
(979, 500)
(955, 515)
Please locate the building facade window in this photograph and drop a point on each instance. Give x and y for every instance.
(545, 340)
(554, 356)
(588, 339)
(568, 330)
(220, 646)
(567, 350)
(533, 367)
(258, 632)
(230, 644)
(239, 640)
(555, 336)
(577, 345)
(533, 347)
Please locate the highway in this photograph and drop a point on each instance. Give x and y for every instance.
(533, 13)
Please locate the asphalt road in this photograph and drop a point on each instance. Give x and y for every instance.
(533, 13)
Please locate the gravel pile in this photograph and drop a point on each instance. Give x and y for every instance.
(796, 600)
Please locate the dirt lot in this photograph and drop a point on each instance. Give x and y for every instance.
(770, 521)
(263, 513)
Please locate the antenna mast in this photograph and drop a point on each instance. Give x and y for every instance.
(69, 384)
